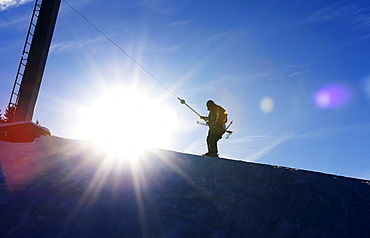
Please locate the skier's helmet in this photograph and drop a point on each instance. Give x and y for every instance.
(210, 103)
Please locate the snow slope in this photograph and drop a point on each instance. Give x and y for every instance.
(55, 187)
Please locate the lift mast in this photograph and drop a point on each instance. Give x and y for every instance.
(34, 58)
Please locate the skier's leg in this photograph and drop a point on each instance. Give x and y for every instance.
(216, 136)
(213, 138)
(209, 141)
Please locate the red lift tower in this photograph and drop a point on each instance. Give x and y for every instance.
(30, 72)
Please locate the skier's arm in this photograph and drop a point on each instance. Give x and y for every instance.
(211, 119)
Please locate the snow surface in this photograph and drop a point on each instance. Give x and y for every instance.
(55, 187)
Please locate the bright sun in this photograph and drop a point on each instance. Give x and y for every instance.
(126, 122)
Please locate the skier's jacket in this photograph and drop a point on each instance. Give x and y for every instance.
(217, 117)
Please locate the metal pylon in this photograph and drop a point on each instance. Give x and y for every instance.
(24, 59)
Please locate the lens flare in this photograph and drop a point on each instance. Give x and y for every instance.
(267, 105)
(333, 96)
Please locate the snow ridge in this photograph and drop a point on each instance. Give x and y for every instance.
(54, 187)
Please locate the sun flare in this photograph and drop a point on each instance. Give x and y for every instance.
(126, 122)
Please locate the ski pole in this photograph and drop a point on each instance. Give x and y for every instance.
(227, 131)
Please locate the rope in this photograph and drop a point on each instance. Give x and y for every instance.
(115, 44)
(182, 101)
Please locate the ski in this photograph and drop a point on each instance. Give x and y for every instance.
(202, 123)
(226, 129)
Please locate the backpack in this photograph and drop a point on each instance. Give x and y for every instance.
(222, 115)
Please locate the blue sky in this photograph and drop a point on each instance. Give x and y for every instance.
(294, 76)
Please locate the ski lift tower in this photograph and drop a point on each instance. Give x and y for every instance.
(30, 73)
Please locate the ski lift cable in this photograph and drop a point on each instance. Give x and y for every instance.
(182, 101)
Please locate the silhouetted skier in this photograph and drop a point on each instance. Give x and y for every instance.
(216, 120)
